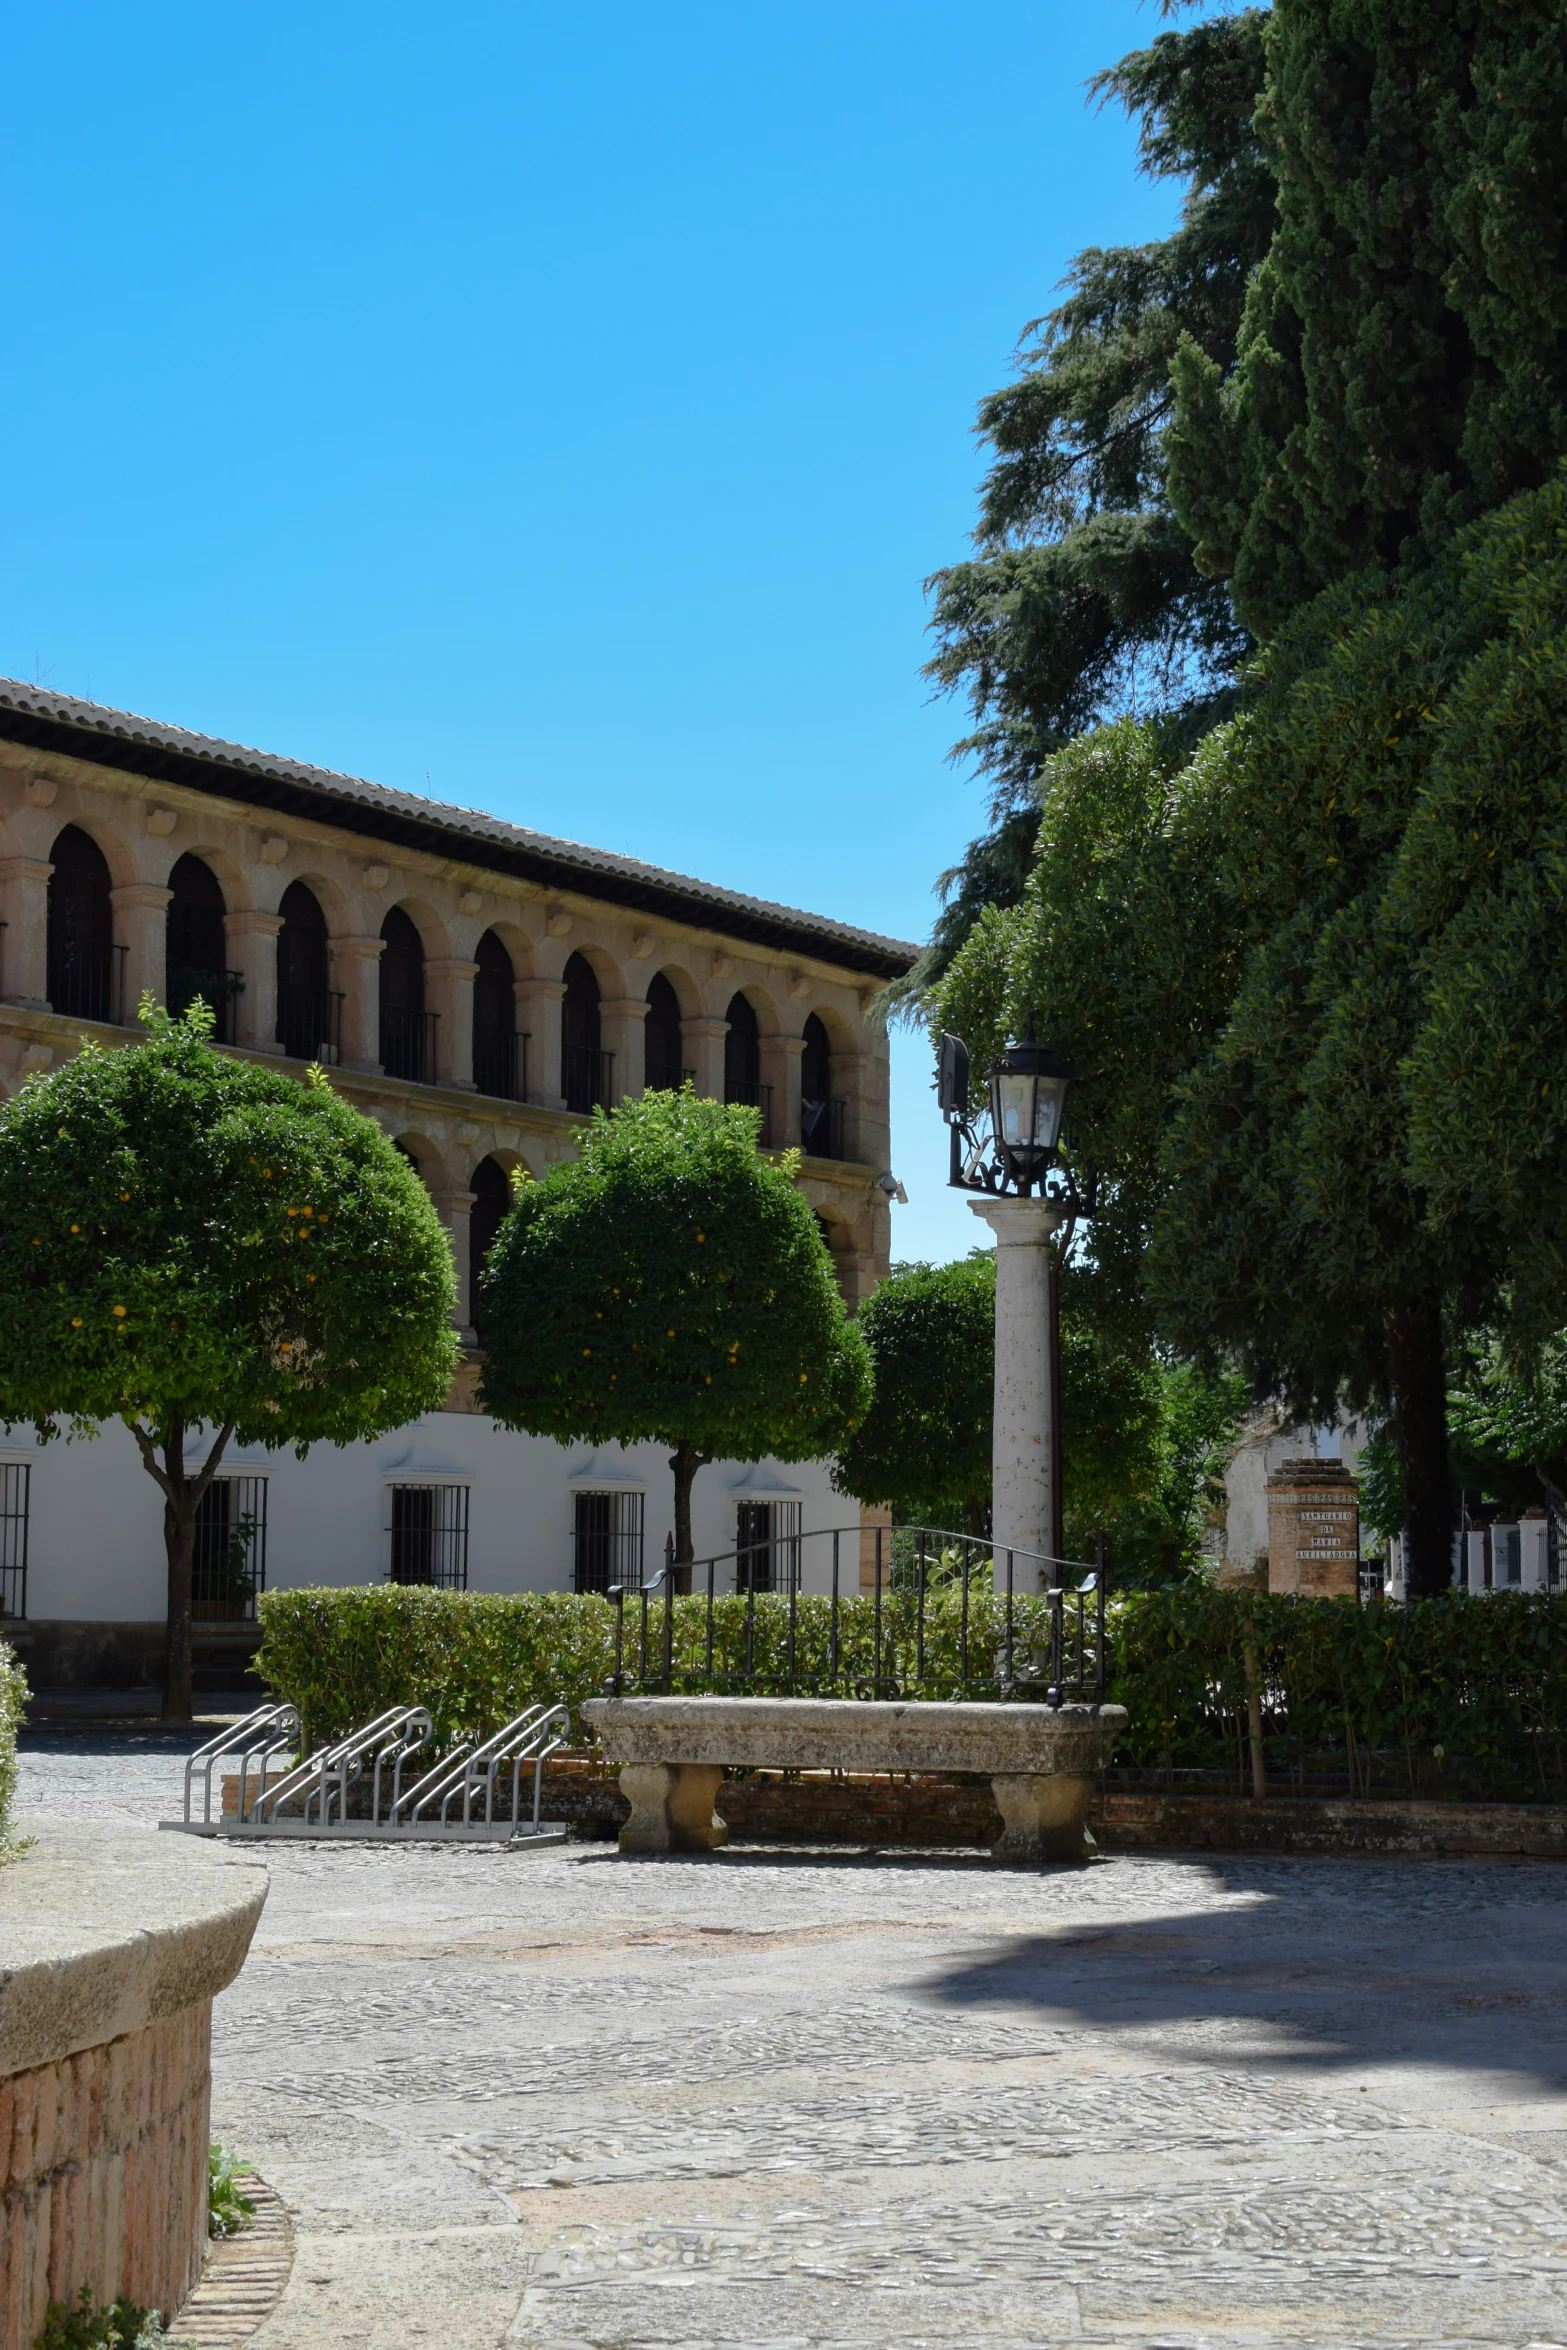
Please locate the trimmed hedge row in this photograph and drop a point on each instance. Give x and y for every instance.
(13, 1701)
(1454, 1695)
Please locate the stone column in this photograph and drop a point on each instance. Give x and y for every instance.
(622, 1025)
(781, 1057)
(455, 1209)
(1020, 1443)
(702, 1049)
(846, 1074)
(449, 991)
(672, 1807)
(252, 951)
(141, 925)
(356, 970)
(538, 1016)
(24, 942)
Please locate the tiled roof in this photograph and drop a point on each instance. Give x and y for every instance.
(170, 754)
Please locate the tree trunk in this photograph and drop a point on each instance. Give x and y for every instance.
(685, 1462)
(1417, 1391)
(181, 1500)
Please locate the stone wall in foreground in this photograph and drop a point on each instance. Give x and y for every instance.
(111, 1951)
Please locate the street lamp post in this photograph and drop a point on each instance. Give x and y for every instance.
(1007, 1162)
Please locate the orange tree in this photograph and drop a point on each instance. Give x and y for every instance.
(199, 1247)
(671, 1286)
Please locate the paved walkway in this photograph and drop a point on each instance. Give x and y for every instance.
(793, 2099)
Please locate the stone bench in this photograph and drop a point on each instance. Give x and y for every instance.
(1041, 1760)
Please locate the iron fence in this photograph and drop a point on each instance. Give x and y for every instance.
(87, 981)
(587, 1077)
(218, 990)
(408, 1043)
(949, 1615)
(821, 1129)
(310, 1024)
(500, 1063)
(665, 1076)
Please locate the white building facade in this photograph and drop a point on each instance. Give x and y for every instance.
(475, 988)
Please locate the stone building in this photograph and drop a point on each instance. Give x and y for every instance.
(476, 988)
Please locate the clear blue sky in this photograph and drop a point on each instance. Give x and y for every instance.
(555, 409)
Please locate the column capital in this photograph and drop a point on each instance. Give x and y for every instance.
(358, 949)
(541, 991)
(623, 1007)
(138, 896)
(252, 924)
(1019, 1223)
(25, 869)
(702, 1026)
(449, 967)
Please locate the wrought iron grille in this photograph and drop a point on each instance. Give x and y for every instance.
(756, 1097)
(87, 981)
(586, 1078)
(661, 1076)
(15, 1502)
(230, 1562)
(310, 1024)
(767, 1546)
(408, 1043)
(217, 989)
(607, 1541)
(500, 1063)
(430, 1536)
(821, 1129)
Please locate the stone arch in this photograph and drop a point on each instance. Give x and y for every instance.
(663, 1051)
(840, 1031)
(425, 1156)
(84, 963)
(434, 936)
(111, 844)
(743, 1051)
(195, 943)
(490, 1183)
(232, 878)
(307, 1023)
(407, 1048)
(517, 943)
(838, 1240)
(332, 899)
(583, 1075)
(495, 1068)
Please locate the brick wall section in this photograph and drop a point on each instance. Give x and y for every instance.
(104, 2161)
(1313, 1529)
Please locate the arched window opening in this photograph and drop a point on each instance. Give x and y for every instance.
(662, 1051)
(86, 968)
(491, 1188)
(309, 1009)
(499, 1063)
(743, 1064)
(585, 1069)
(821, 1118)
(195, 948)
(407, 1029)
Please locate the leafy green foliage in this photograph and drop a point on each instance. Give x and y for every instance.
(1401, 363)
(229, 2208)
(923, 1448)
(13, 1704)
(1154, 1538)
(188, 1238)
(671, 1284)
(89, 2325)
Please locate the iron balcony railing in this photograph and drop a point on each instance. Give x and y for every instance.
(500, 1063)
(218, 990)
(757, 1097)
(408, 1043)
(87, 981)
(310, 1024)
(949, 1615)
(821, 1129)
(661, 1076)
(586, 1078)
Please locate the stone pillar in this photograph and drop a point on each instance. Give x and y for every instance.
(455, 1208)
(781, 1057)
(141, 926)
(448, 984)
(672, 1807)
(252, 952)
(846, 1081)
(1020, 1443)
(538, 1016)
(24, 942)
(356, 971)
(1314, 1530)
(702, 1050)
(1043, 1817)
(622, 1023)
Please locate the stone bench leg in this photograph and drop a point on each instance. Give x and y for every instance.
(672, 1807)
(1044, 1816)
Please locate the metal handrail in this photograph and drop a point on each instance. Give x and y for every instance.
(269, 1731)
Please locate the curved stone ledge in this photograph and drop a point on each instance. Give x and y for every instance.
(111, 1950)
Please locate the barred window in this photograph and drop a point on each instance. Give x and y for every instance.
(607, 1541)
(15, 1502)
(229, 1565)
(430, 1536)
(767, 1546)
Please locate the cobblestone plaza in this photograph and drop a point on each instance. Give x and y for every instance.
(793, 2098)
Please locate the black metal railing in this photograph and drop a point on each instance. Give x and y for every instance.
(430, 1536)
(218, 990)
(665, 1076)
(821, 1129)
(926, 1613)
(15, 1498)
(408, 1043)
(310, 1024)
(757, 1097)
(586, 1078)
(229, 1559)
(87, 981)
(500, 1063)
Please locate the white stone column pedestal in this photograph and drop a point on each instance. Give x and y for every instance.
(1020, 1455)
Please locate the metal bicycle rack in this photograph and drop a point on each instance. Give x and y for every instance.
(454, 1801)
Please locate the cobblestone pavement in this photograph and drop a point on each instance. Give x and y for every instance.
(816, 2099)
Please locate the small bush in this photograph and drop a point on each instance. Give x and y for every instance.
(117, 2325)
(228, 2208)
(13, 1702)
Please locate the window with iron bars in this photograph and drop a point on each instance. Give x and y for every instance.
(229, 1564)
(15, 1503)
(607, 1541)
(430, 1536)
(767, 1546)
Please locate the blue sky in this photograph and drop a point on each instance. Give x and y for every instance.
(557, 410)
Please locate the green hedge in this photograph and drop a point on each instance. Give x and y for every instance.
(1452, 1695)
(13, 1701)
